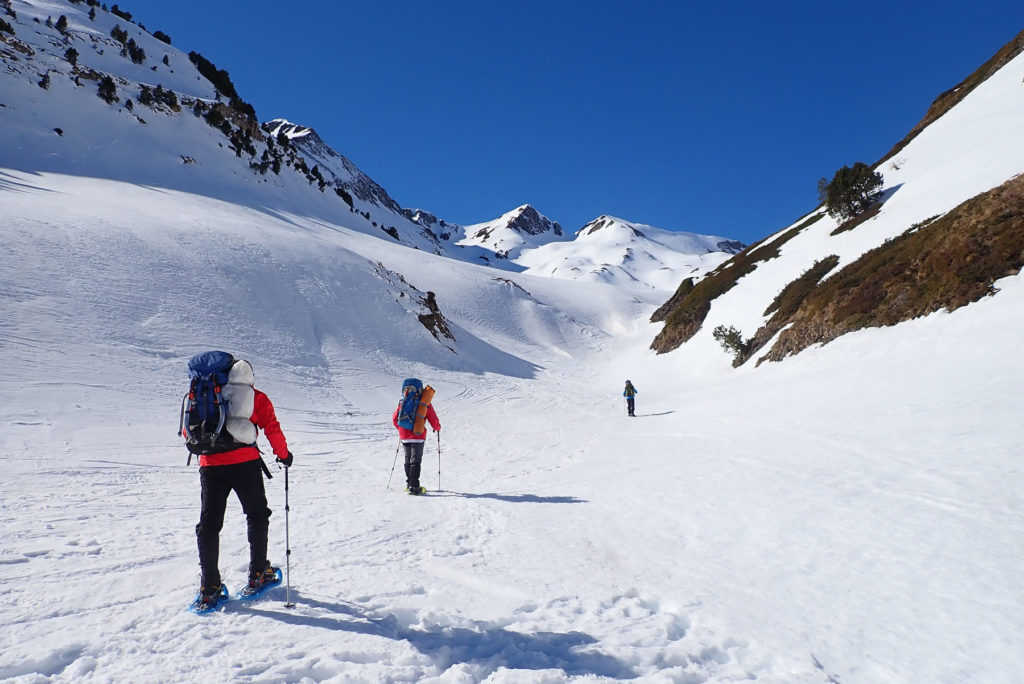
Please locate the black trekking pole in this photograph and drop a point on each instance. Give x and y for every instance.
(438, 461)
(393, 465)
(287, 549)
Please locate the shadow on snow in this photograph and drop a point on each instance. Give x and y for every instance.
(510, 498)
(493, 647)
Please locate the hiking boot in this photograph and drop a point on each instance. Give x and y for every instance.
(210, 594)
(259, 578)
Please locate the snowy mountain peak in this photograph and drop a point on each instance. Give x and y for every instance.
(526, 220)
(612, 250)
(522, 228)
(608, 224)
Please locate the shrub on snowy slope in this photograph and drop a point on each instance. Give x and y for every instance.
(851, 192)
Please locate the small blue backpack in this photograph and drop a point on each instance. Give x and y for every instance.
(411, 391)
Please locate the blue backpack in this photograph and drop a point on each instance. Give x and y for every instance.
(411, 391)
(204, 409)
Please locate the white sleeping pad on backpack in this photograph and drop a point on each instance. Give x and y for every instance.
(241, 402)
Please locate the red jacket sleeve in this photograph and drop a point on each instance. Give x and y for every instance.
(265, 418)
(432, 418)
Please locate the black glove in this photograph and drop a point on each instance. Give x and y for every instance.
(286, 462)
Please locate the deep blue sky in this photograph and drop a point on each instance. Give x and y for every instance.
(718, 118)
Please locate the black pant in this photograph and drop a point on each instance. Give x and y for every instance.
(629, 405)
(413, 459)
(217, 482)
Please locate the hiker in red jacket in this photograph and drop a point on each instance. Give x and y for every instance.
(413, 442)
(237, 466)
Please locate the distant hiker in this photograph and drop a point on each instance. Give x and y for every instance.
(630, 394)
(220, 423)
(410, 418)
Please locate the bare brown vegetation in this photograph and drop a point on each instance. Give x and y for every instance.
(685, 312)
(945, 264)
(786, 304)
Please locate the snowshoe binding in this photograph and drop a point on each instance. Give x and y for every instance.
(260, 582)
(208, 600)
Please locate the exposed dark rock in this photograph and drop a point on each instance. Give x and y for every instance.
(434, 320)
(529, 222)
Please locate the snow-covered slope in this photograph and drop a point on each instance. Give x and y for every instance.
(66, 128)
(814, 519)
(369, 199)
(175, 142)
(976, 146)
(612, 250)
(852, 515)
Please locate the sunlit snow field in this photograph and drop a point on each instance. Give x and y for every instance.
(853, 513)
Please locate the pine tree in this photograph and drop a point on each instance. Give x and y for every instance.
(107, 90)
(731, 340)
(851, 191)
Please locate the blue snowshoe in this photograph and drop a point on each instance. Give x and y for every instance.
(268, 579)
(205, 602)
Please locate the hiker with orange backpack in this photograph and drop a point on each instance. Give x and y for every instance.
(410, 418)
